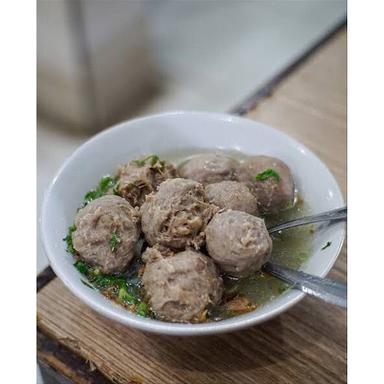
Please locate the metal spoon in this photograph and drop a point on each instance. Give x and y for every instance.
(334, 215)
(328, 290)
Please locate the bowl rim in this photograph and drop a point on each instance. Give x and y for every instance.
(181, 329)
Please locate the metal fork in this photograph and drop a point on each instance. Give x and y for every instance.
(328, 290)
(334, 215)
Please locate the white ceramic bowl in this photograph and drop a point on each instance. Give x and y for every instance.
(168, 132)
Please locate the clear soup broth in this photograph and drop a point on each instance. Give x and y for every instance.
(291, 248)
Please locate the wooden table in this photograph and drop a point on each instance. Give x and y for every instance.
(306, 344)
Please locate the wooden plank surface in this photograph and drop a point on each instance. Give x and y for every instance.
(306, 344)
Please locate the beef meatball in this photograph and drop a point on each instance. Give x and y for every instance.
(182, 286)
(238, 242)
(232, 195)
(140, 177)
(275, 190)
(209, 168)
(107, 230)
(177, 214)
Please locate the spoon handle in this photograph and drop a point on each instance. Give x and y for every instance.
(328, 290)
(336, 214)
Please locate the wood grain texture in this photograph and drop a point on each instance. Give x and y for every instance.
(70, 365)
(306, 344)
(310, 105)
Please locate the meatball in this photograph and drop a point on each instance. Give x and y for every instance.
(139, 177)
(232, 195)
(209, 168)
(177, 214)
(182, 286)
(238, 242)
(275, 191)
(107, 230)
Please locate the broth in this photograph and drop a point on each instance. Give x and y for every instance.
(291, 248)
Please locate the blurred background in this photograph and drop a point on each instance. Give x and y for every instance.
(103, 61)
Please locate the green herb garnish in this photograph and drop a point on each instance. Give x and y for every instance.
(326, 245)
(106, 281)
(82, 267)
(114, 241)
(140, 163)
(125, 296)
(118, 287)
(68, 239)
(282, 288)
(96, 277)
(86, 283)
(267, 174)
(102, 188)
(142, 309)
(152, 160)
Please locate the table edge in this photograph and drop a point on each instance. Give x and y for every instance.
(266, 90)
(73, 359)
